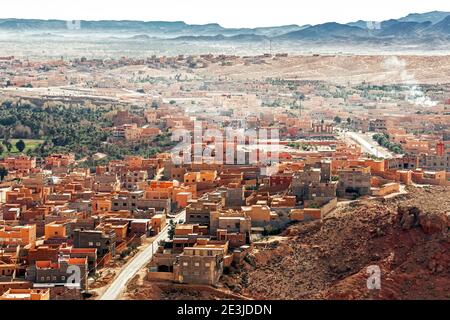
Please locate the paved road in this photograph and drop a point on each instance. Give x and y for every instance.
(137, 263)
(368, 144)
(159, 174)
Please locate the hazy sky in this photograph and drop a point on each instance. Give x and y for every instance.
(229, 13)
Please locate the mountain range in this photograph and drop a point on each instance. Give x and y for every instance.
(415, 28)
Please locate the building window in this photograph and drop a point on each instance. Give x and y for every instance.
(91, 244)
(63, 278)
(98, 244)
(197, 264)
(185, 264)
(207, 264)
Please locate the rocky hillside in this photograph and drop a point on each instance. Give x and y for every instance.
(406, 237)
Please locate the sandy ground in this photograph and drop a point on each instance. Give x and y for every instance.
(343, 69)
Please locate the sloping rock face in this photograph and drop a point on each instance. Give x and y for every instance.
(411, 217)
(405, 238)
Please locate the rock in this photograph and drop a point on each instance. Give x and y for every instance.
(408, 217)
(432, 265)
(375, 257)
(377, 232)
(407, 222)
(433, 222)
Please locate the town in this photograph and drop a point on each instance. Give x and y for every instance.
(93, 205)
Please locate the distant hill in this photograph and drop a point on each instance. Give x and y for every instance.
(140, 37)
(433, 17)
(442, 27)
(326, 31)
(413, 28)
(221, 37)
(161, 28)
(403, 29)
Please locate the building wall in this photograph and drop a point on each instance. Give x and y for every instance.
(353, 181)
(22, 235)
(386, 189)
(199, 269)
(5, 286)
(54, 230)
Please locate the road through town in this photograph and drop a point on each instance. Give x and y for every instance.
(137, 263)
(368, 144)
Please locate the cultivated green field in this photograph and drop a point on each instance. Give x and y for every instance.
(30, 144)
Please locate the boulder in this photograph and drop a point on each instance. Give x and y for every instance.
(434, 222)
(408, 217)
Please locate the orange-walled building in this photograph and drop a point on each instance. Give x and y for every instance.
(133, 162)
(18, 235)
(22, 196)
(182, 199)
(26, 294)
(158, 222)
(101, 204)
(60, 160)
(159, 190)
(375, 165)
(55, 230)
(21, 163)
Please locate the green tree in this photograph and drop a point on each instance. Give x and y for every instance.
(1, 149)
(7, 144)
(171, 231)
(3, 173)
(20, 145)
